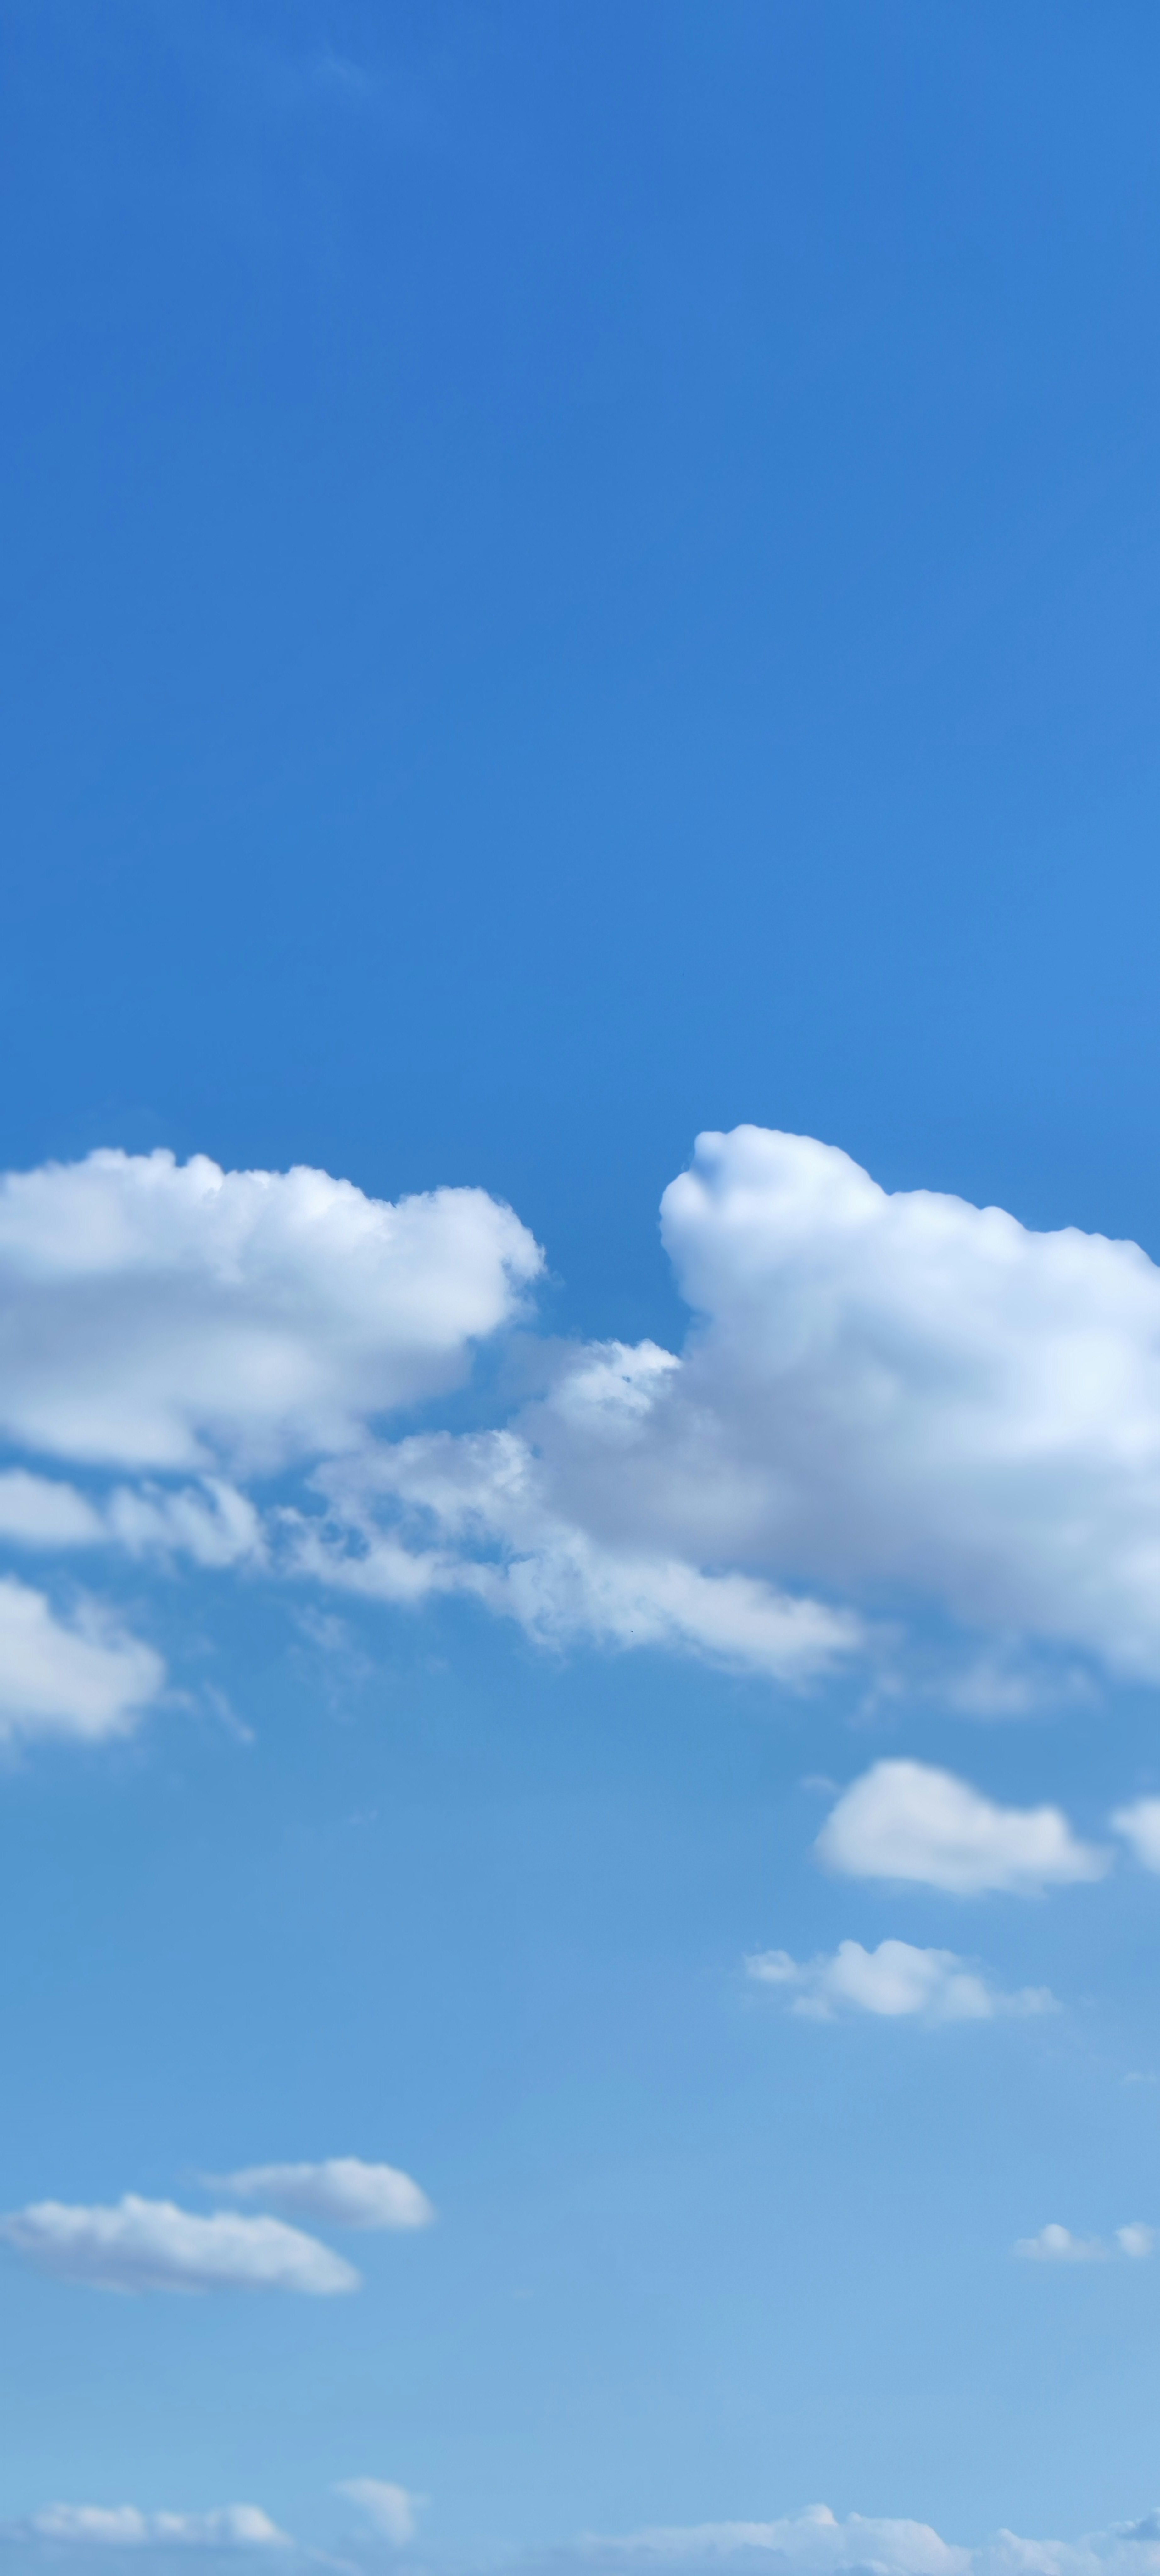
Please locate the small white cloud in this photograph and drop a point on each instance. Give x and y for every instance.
(124, 2526)
(341, 2192)
(896, 1981)
(83, 1677)
(905, 1820)
(1136, 2240)
(152, 2245)
(1140, 1826)
(1055, 2244)
(392, 2511)
(39, 1511)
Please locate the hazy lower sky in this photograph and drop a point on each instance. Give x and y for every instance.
(579, 1307)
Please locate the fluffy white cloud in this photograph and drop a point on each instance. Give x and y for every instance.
(1136, 2240)
(895, 1981)
(124, 2526)
(906, 1820)
(1140, 1826)
(884, 1400)
(157, 1314)
(886, 1404)
(84, 1677)
(153, 2245)
(818, 2543)
(340, 2192)
(391, 2511)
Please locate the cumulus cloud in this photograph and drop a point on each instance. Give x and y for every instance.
(1140, 1826)
(125, 2526)
(83, 1677)
(908, 1821)
(888, 1406)
(341, 2192)
(164, 1315)
(896, 1981)
(391, 2511)
(819, 2543)
(152, 2245)
(885, 1401)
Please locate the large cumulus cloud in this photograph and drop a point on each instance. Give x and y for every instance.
(885, 1402)
(886, 1407)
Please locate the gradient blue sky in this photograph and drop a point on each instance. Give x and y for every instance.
(579, 574)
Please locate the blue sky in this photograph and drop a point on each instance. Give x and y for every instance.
(580, 578)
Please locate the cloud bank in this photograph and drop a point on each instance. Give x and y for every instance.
(143, 2245)
(888, 1408)
(818, 2543)
(896, 1982)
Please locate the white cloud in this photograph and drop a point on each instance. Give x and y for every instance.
(1055, 2244)
(487, 1490)
(905, 1820)
(85, 1677)
(894, 1400)
(1140, 1826)
(818, 2543)
(341, 2192)
(1136, 2240)
(124, 2526)
(153, 2245)
(895, 1981)
(211, 1522)
(813, 2541)
(391, 2511)
(38, 1511)
(156, 1314)
(887, 1405)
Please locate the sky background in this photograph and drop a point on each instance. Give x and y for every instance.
(578, 575)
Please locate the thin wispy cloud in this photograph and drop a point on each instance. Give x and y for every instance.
(139, 2246)
(895, 1982)
(341, 2191)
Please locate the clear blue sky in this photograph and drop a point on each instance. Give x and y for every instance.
(578, 575)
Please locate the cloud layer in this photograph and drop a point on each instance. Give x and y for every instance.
(908, 1821)
(896, 1982)
(142, 2245)
(817, 2543)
